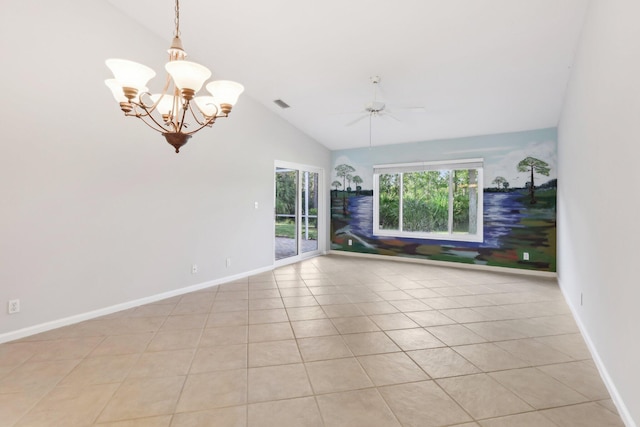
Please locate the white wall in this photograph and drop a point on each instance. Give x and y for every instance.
(599, 149)
(97, 209)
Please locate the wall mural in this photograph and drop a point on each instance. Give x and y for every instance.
(519, 191)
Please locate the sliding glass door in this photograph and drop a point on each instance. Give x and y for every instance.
(297, 208)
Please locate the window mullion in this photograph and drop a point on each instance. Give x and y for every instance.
(400, 205)
(451, 172)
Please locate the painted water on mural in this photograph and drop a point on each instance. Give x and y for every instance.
(511, 226)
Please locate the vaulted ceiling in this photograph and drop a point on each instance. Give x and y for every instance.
(448, 68)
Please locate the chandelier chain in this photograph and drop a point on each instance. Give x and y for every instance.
(177, 19)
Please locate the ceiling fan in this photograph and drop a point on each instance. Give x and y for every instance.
(377, 108)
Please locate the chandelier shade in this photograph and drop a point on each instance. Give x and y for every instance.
(225, 91)
(170, 112)
(188, 76)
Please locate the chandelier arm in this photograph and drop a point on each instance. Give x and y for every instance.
(184, 114)
(159, 129)
(206, 121)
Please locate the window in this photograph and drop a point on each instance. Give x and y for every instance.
(429, 200)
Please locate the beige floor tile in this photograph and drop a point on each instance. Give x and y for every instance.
(440, 303)
(305, 313)
(228, 318)
(162, 364)
(265, 303)
(442, 362)
(213, 390)
(143, 397)
(36, 375)
(414, 339)
(463, 315)
(61, 349)
(313, 328)
(159, 421)
(537, 388)
(301, 412)
(495, 331)
(351, 325)
(584, 415)
(301, 291)
(270, 332)
(14, 405)
(235, 416)
(405, 306)
(224, 335)
(533, 351)
(278, 382)
(275, 315)
(580, 376)
(175, 340)
(423, 404)
(370, 343)
(394, 295)
(489, 357)
(238, 295)
(393, 321)
(359, 408)
(230, 305)
(323, 348)
(570, 344)
(264, 293)
(608, 403)
(529, 419)
(342, 310)
(455, 335)
(391, 368)
(70, 406)
(219, 358)
(494, 400)
(332, 299)
(184, 322)
(185, 307)
(430, 318)
(101, 370)
(300, 301)
(330, 376)
(273, 353)
(379, 307)
(422, 293)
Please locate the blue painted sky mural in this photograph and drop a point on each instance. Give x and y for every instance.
(513, 225)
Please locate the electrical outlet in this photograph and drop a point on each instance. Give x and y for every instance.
(194, 268)
(228, 262)
(350, 242)
(525, 256)
(14, 306)
(256, 205)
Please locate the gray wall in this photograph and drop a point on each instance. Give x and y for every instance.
(97, 209)
(599, 148)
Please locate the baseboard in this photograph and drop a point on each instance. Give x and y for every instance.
(604, 373)
(44, 327)
(547, 274)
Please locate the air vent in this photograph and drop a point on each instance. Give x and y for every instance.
(280, 103)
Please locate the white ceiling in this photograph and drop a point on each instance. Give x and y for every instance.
(476, 66)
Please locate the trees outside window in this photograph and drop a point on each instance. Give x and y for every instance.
(429, 200)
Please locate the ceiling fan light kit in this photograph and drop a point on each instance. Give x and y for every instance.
(166, 112)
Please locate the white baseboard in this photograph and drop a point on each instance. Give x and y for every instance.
(43, 327)
(604, 373)
(447, 264)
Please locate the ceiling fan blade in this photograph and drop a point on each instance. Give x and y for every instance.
(357, 120)
(388, 114)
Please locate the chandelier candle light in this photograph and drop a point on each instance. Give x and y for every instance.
(166, 112)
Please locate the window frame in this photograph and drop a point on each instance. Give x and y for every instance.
(450, 165)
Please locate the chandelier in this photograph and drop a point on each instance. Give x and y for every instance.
(167, 112)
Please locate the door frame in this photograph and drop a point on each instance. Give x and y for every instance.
(322, 220)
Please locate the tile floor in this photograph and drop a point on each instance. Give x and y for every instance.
(331, 341)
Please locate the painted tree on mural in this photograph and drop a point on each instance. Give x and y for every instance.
(533, 165)
(342, 171)
(501, 181)
(357, 181)
(336, 184)
(349, 179)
